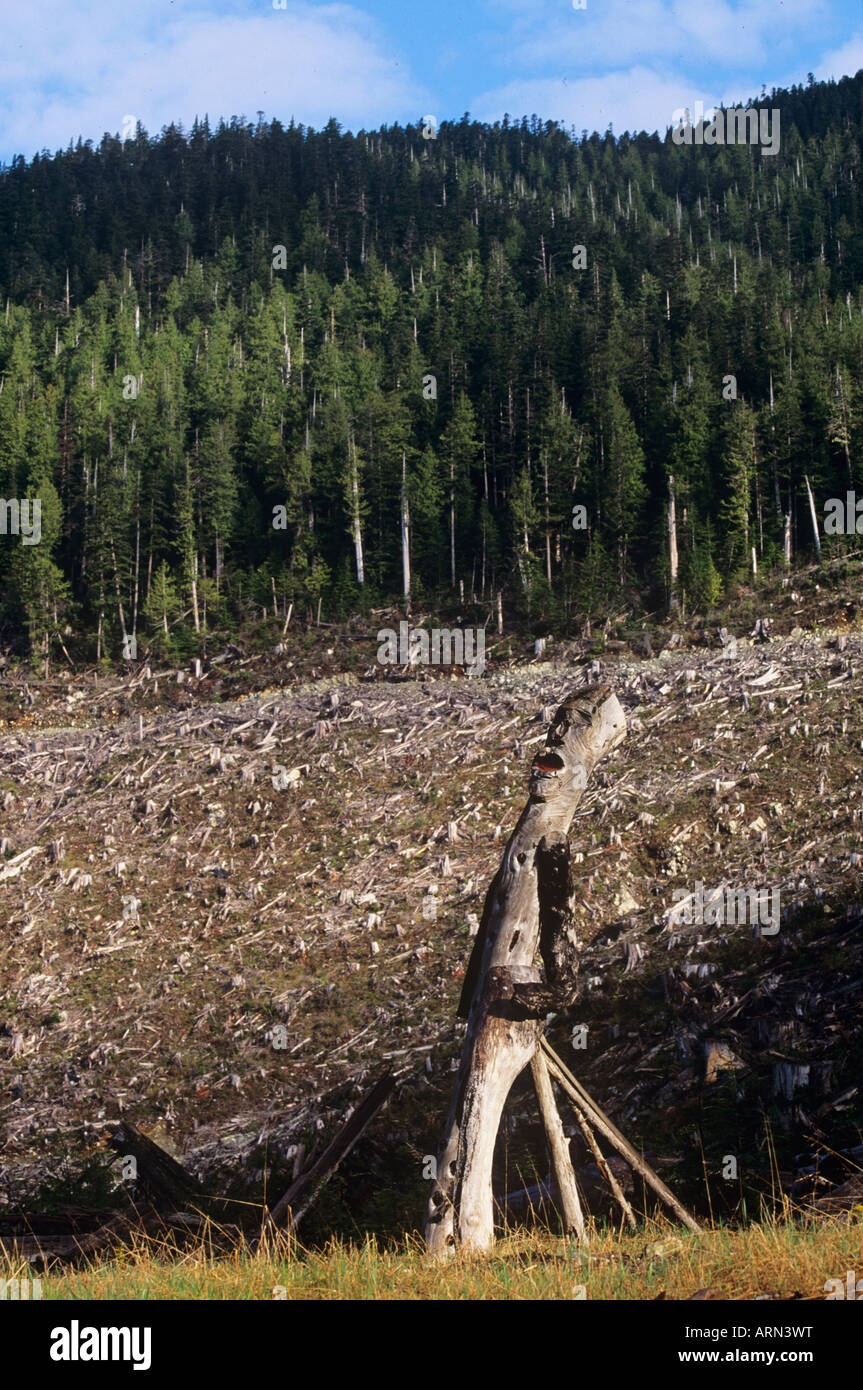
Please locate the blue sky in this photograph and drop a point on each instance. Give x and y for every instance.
(81, 67)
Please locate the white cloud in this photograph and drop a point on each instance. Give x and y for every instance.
(63, 75)
(619, 33)
(844, 61)
(634, 63)
(635, 99)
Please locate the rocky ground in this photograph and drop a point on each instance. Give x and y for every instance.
(227, 905)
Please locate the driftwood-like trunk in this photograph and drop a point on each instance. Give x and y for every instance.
(503, 997)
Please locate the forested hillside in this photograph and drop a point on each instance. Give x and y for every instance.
(253, 366)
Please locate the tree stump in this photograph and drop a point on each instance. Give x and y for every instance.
(504, 998)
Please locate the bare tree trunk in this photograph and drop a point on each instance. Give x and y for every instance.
(137, 588)
(406, 543)
(501, 983)
(193, 575)
(813, 515)
(452, 521)
(150, 551)
(355, 506)
(119, 596)
(774, 470)
(547, 520)
(672, 546)
(844, 409)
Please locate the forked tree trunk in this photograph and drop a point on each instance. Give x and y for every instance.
(502, 996)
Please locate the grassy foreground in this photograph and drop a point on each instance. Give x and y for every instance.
(783, 1260)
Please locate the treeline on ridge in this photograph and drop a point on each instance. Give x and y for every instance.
(257, 365)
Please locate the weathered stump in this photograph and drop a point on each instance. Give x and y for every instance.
(503, 997)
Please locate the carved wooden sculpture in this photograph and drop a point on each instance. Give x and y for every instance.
(504, 998)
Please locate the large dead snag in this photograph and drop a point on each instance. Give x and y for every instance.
(504, 997)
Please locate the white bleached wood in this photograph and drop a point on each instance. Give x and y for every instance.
(500, 1040)
(570, 1204)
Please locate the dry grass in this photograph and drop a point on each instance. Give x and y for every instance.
(782, 1259)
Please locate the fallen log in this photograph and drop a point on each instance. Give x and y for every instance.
(292, 1207)
(164, 1180)
(39, 1239)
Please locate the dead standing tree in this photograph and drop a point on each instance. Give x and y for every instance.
(504, 999)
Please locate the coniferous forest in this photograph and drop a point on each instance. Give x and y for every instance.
(240, 365)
